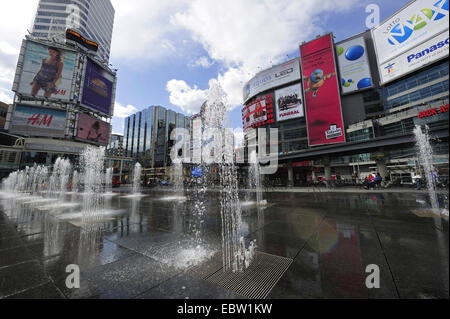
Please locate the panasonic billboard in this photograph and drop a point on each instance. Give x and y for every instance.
(415, 36)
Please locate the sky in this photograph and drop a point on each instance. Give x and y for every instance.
(170, 52)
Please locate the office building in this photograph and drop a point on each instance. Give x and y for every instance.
(93, 18)
(147, 135)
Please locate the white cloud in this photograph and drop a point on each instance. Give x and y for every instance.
(121, 111)
(189, 99)
(15, 16)
(247, 36)
(141, 29)
(6, 96)
(203, 62)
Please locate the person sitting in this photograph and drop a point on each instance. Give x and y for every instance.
(368, 181)
(377, 180)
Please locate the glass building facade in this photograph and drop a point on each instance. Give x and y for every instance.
(147, 135)
(422, 87)
(94, 18)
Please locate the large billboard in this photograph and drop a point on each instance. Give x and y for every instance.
(353, 65)
(426, 53)
(276, 76)
(92, 130)
(258, 112)
(289, 103)
(38, 121)
(97, 91)
(401, 34)
(321, 91)
(47, 72)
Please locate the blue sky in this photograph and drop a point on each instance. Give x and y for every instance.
(168, 52)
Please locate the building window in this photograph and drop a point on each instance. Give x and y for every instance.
(360, 135)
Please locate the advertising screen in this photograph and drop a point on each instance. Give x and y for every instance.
(412, 31)
(289, 103)
(258, 112)
(320, 85)
(47, 72)
(276, 76)
(92, 130)
(353, 65)
(424, 54)
(97, 89)
(414, 24)
(38, 121)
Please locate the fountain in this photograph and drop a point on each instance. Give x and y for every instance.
(108, 181)
(92, 160)
(75, 182)
(137, 179)
(235, 255)
(426, 161)
(255, 178)
(65, 169)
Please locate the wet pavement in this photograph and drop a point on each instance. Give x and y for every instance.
(145, 248)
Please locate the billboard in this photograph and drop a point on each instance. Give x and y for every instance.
(38, 121)
(321, 91)
(98, 88)
(289, 103)
(426, 53)
(276, 76)
(414, 24)
(92, 130)
(258, 112)
(353, 65)
(401, 34)
(47, 72)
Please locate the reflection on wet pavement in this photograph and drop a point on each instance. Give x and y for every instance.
(144, 248)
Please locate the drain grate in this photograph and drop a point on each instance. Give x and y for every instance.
(255, 282)
(208, 268)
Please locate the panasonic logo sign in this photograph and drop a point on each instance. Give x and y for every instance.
(425, 52)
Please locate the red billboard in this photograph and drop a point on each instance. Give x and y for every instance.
(92, 130)
(321, 89)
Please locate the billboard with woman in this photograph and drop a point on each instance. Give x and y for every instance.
(47, 71)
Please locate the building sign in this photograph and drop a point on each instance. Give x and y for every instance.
(78, 38)
(434, 111)
(302, 164)
(47, 72)
(98, 88)
(92, 129)
(273, 77)
(258, 112)
(321, 91)
(353, 65)
(432, 50)
(38, 121)
(404, 34)
(289, 103)
(197, 172)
